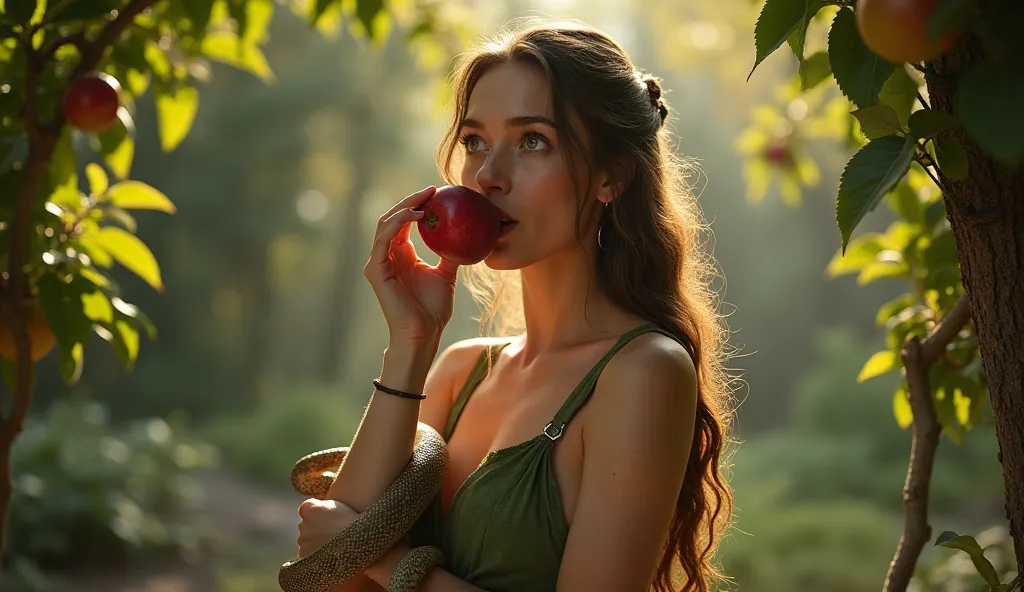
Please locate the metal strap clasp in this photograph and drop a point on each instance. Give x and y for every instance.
(552, 431)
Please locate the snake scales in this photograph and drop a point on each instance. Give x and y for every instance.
(384, 523)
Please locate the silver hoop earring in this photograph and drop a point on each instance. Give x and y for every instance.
(599, 229)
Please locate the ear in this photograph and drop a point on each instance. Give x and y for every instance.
(615, 179)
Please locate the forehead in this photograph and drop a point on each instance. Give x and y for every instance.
(511, 89)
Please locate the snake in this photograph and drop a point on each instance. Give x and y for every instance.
(375, 531)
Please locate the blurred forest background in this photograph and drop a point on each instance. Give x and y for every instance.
(269, 336)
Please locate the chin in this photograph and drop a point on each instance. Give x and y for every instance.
(501, 259)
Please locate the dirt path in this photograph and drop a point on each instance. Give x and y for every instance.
(254, 530)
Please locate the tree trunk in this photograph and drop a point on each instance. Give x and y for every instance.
(352, 250)
(986, 212)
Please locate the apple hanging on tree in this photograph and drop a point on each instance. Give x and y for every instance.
(91, 101)
(897, 30)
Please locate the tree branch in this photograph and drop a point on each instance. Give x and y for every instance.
(918, 358)
(92, 53)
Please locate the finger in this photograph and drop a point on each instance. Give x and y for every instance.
(409, 201)
(389, 230)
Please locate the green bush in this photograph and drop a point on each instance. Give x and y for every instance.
(843, 441)
(264, 444)
(839, 546)
(86, 491)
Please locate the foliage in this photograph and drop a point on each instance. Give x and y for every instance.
(264, 443)
(956, 571)
(86, 491)
(899, 144)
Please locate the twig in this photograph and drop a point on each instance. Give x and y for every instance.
(918, 357)
(935, 179)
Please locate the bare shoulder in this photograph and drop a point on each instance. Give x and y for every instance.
(449, 372)
(651, 381)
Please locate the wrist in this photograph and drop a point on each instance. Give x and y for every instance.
(380, 571)
(406, 365)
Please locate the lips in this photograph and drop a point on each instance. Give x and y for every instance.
(507, 223)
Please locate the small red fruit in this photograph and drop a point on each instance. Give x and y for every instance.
(90, 102)
(460, 224)
(897, 30)
(778, 154)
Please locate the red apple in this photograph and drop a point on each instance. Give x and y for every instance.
(460, 224)
(90, 102)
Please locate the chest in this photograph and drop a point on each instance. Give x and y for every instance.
(509, 409)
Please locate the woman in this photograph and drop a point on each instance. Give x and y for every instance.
(585, 448)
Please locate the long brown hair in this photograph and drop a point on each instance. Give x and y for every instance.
(652, 261)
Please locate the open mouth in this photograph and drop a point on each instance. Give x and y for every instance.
(507, 224)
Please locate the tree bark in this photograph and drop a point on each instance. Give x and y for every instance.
(986, 212)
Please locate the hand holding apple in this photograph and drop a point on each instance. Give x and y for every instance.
(417, 299)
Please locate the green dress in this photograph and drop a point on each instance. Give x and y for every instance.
(505, 529)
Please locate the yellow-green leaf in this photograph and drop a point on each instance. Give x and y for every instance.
(131, 339)
(97, 178)
(89, 243)
(175, 114)
(901, 409)
(136, 195)
(129, 251)
(878, 364)
(97, 307)
(95, 277)
(224, 46)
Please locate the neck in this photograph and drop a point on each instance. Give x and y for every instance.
(563, 305)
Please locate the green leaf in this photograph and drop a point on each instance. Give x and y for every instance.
(198, 12)
(132, 312)
(20, 11)
(988, 104)
(926, 123)
(97, 307)
(65, 315)
(175, 114)
(860, 252)
(899, 92)
(894, 307)
(80, 10)
(117, 145)
(904, 203)
(224, 46)
(97, 178)
(128, 250)
(366, 12)
(951, 15)
(71, 363)
(969, 545)
(136, 195)
(777, 21)
(901, 409)
(870, 174)
(878, 120)
(858, 71)
(877, 365)
(814, 70)
(318, 10)
(951, 156)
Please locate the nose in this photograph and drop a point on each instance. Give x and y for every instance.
(492, 177)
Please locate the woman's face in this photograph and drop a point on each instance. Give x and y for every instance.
(514, 157)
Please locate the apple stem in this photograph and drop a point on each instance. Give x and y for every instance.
(431, 219)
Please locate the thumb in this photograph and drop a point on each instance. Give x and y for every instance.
(312, 504)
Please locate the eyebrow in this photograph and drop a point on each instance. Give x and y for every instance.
(519, 121)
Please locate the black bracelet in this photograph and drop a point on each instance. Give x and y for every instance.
(397, 393)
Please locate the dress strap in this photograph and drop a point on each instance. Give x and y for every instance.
(582, 391)
(480, 370)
